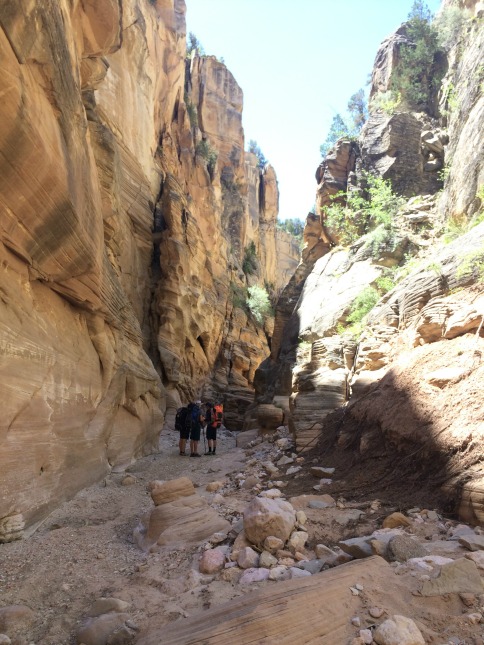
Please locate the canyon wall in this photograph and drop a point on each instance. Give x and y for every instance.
(121, 244)
(404, 376)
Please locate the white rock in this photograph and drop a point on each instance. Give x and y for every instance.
(299, 573)
(279, 573)
(298, 540)
(366, 636)
(398, 630)
(356, 621)
(301, 517)
(293, 470)
(254, 575)
(273, 493)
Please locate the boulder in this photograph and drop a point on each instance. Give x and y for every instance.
(16, 619)
(99, 630)
(212, 561)
(187, 520)
(165, 492)
(398, 630)
(268, 517)
(247, 558)
(107, 605)
(461, 576)
(394, 520)
(403, 547)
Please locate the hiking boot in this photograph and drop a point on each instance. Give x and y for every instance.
(208, 453)
(183, 454)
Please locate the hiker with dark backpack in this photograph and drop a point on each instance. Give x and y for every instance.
(183, 423)
(197, 420)
(214, 418)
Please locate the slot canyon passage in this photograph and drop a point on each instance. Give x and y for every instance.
(143, 267)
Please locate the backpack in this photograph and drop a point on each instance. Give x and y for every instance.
(195, 413)
(181, 419)
(218, 413)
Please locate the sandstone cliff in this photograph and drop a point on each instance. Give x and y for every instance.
(407, 373)
(122, 244)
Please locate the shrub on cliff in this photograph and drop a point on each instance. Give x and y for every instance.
(249, 263)
(375, 204)
(205, 150)
(259, 304)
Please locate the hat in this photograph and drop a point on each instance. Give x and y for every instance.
(198, 403)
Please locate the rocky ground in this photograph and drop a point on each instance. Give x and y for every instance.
(116, 564)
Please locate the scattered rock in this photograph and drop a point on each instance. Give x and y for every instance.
(97, 631)
(267, 560)
(293, 470)
(313, 566)
(468, 599)
(254, 575)
(16, 618)
(477, 557)
(129, 480)
(319, 471)
(376, 612)
(273, 544)
(268, 517)
(5, 640)
(472, 542)
(402, 547)
(284, 461)
(297, 541)
(318, 504)
(212, 561)
(348, 516)
(279, 573)
(358, 547)
(366, 636)
(396, 519)
(460, 576)
(299, 573)
(106, 605)
(213, 487)
(248, 558)
(398, 630)
(231, 575)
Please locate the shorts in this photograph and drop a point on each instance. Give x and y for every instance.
(212, 432)
(185, 433)
(195, 433)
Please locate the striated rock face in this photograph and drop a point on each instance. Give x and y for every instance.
(408, 364)
(121, 241)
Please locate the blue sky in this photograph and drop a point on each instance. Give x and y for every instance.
(297, 63)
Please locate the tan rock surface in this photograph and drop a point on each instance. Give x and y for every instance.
(266, 615)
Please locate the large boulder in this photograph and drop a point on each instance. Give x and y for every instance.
(266, 517)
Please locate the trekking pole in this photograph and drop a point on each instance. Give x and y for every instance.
(204, 444)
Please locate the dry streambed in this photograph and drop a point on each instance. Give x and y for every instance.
(213, 550)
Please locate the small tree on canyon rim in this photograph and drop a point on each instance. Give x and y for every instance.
(254, 149)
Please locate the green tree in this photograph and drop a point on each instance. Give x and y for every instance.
(194, 46)
(254, 148)
(417, 77)
(358, 109)
(337, 130)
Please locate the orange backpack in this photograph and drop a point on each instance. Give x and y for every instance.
(218, 413)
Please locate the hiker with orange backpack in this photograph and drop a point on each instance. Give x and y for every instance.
(214, 417)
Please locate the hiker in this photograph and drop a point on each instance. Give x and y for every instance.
(183, 423)
(214, 416)
(198, 420)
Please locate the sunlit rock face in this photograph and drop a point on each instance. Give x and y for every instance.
(409, 373)
(120, 248)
